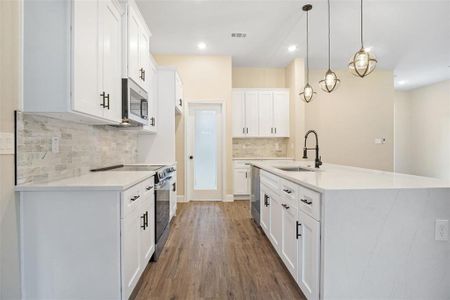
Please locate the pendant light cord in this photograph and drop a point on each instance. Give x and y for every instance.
(362, 43)
(329, 39)
(307, 47)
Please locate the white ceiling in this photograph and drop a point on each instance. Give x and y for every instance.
(410, 37)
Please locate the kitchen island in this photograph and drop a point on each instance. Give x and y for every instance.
(352, 233)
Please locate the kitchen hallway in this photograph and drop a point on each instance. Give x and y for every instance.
(215, 251)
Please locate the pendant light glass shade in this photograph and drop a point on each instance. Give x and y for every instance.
(362, 62)
(308, 92)
(331, 81)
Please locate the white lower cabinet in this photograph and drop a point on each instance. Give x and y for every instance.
(308, 255)
(86, 244)
(290, 218)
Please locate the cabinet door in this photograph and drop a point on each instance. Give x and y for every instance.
(144, 58)
(265, 209)
(131, 259)
(281, 114)
(276, 225)
(146, 229)
(289, 242)
(133, 45)
(240, 181)
(251, 114)
(266, 128)
(238, 114)
(308, 256)
(86, 56)
(110, 37)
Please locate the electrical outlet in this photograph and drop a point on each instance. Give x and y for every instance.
(441, 231)
(55, 144)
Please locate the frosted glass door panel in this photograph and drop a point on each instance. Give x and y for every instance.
(205, 163)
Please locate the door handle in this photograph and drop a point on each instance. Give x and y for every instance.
(191, 157)
(297, 234)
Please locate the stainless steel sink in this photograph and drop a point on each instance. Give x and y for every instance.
(294, 169)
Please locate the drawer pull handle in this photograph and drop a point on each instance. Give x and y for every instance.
(297, 231)
(287, 191)
(306, 201)
(135, 198)
(149, 188)
(285, 205)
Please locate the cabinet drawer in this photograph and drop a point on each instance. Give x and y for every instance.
(130, 199)
(148, 186)
(272, 181)
(241, 164)
(289, 191)
(309, 202)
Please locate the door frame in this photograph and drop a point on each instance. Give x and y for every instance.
(223, 108)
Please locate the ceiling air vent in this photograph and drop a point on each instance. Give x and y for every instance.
(238, 35)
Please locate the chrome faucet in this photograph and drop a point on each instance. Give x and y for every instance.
(318, 161)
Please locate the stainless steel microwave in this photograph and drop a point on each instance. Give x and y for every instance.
(134, 103)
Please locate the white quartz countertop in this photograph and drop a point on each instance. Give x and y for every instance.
(337, 177)
(263, 158)
(105, 180)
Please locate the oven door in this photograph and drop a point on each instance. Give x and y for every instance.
(162, 206)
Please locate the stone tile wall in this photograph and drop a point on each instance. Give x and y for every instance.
(260, 147)
(81, 148)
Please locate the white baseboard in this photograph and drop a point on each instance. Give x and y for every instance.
(228, 198)
(241, 197)
(180, 198)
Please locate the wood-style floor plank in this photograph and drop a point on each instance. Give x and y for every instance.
(215, 251)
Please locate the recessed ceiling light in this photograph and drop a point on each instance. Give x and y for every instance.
(292, 48)
(201, 46)
(402, 82)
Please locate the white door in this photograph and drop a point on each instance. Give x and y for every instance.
(241, 181)
(110, 30)
(204, 151)
(133, 45)
(86, 69)
(281, 114)
(265, 209)
(131, 259)
(251, 114)
(308, 256)
(276, 224)
(266, 128)
(289, 243)
(238, 114)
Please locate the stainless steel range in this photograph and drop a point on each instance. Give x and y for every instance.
(163, 177)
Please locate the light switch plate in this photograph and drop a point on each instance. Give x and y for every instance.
(6, 143)
(441, 232)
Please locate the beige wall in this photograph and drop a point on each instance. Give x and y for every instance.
(349, 120)
(9, 101)
(259, 78)
(204, 78)
(295, 79)
(423, 127)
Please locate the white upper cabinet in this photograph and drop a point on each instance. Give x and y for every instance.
(78, 60)
(260, 113)
(245, 114)
(139, 64)
(179, 101)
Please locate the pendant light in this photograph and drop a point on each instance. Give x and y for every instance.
(362, 62)
(308, 92)
(330, 82)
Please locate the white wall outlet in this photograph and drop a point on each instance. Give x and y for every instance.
(441, 231)
(55, 144)
(6, 143)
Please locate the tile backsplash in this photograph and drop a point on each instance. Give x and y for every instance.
(260, 147)
(81, 148)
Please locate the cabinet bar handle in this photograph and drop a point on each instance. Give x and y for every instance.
(103, 94)
(143, 221)
(306, 201)
(266, 200)
(146, 219)
(287, 191)
(149, 188)
(107, 98)
(296, 230)
(135, 198)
